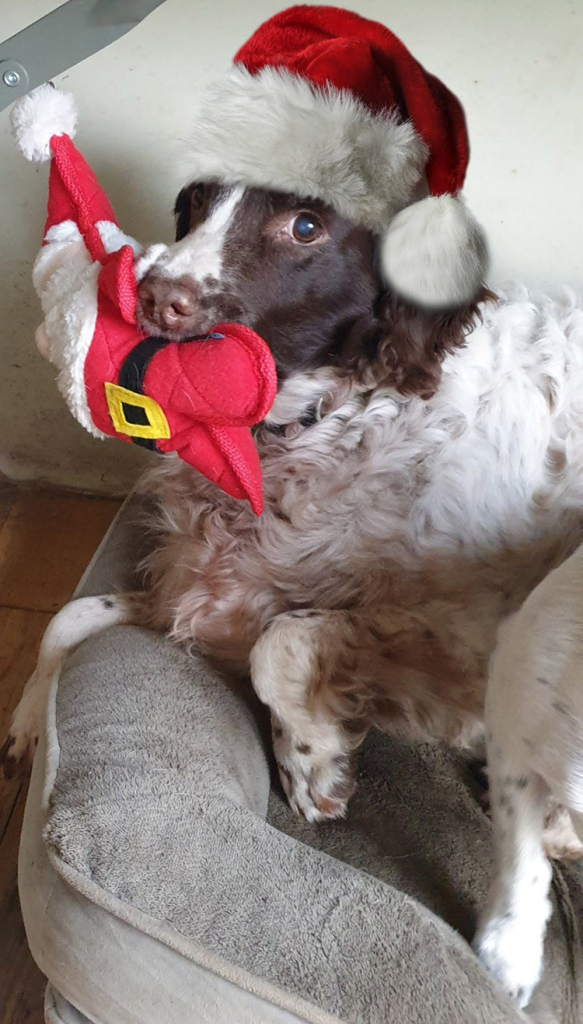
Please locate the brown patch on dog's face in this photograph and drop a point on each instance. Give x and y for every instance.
(302, 277)
(294, 271)
(306, 299)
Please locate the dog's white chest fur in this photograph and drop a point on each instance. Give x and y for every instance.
(494, 460)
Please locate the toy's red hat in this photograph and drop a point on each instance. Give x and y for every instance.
(329, 105)
(44, 123)
(197, 397)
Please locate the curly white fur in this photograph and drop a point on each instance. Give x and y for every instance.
(452, 508)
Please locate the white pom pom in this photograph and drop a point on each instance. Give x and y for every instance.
(434, 253)
(38, 116)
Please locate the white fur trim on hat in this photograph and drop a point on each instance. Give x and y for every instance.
(38, 116)
(434, 253)
(276, 130)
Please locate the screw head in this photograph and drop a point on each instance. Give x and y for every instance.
(11, 78)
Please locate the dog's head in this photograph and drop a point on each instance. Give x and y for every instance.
(302, 277)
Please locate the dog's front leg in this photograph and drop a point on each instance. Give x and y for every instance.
(294, 667)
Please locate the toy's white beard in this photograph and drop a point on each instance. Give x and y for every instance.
(65, 279)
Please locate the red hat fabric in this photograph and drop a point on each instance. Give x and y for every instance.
(196, 397)
(75, 195)
(326, 104)
(327, 46)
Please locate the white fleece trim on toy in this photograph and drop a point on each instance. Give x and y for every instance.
(39, 115)
(275, 130)
(114, 238)
(65, 279)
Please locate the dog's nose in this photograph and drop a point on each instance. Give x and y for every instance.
(169, 305)
(179, 304)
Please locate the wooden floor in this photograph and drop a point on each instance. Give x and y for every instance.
(46, 540)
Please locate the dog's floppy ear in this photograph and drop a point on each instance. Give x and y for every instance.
(182, 211)
(412, 342)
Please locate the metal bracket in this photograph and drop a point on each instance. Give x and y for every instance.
(63, 38)
(14, 76)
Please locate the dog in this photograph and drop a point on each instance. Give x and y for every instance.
(306, 279)
(423, 474)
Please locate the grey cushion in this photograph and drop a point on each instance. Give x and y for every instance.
(164, 880)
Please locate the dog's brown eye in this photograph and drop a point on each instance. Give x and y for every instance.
(197, 197)
(305, 228)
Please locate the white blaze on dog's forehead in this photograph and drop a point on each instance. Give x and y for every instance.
(200, 254)
(148, 259)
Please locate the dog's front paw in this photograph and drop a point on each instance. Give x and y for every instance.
(16, 751)
(317, 784)
(21, 742)
(511, 949)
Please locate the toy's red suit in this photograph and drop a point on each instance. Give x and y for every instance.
(198, 397)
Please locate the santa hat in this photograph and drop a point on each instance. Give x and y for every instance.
(44, 123)
(328, 105)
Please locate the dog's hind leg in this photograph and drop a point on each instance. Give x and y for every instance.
(74, 623)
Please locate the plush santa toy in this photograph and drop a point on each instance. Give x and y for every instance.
(197, 397)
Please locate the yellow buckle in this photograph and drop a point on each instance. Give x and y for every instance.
(157, 426)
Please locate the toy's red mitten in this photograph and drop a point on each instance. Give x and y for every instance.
(215, 390)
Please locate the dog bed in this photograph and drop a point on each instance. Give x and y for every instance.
(164, 880)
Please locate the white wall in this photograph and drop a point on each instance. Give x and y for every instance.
(515, 64)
